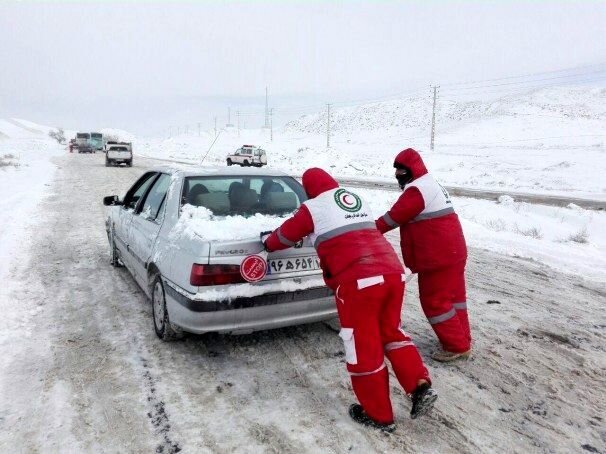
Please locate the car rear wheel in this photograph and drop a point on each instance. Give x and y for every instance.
(245, 163)
(162, 326)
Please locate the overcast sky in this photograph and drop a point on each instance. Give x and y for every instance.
(127, 63)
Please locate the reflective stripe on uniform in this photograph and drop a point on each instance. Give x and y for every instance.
(434, 214)
(460, 306)
(362, 374)
(343, 229)
(389, 220)
(285, 240)
(442, 317)
(370, 281)
(394, 345)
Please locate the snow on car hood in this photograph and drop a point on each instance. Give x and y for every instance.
(201, 222)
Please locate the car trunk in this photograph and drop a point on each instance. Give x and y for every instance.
(289, 263)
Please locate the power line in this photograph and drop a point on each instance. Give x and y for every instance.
(576, 68)
(530, 81)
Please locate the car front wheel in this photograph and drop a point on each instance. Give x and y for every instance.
(229, 162)
(162, 326)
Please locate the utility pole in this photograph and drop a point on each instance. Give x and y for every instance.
(215, 126)
(266, 109)
(198, 129)
(327, 125)
(229, 116)
(433, 117)
(238, 115)
(271, 124)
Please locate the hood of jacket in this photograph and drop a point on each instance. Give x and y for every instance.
(412, 159)
(316, 181)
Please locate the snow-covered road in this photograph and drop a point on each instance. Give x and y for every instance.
(82, 370)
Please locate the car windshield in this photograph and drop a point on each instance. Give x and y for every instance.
(244, 195)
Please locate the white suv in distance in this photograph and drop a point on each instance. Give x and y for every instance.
(248, 155)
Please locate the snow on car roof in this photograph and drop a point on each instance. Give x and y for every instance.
(191, 171)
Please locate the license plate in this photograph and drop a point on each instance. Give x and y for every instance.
(279, 266)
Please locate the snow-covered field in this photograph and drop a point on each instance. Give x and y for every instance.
(547, 141)
(570, 239)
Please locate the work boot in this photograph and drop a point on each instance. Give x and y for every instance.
(444, 356)
(423, 399)
(358, 414)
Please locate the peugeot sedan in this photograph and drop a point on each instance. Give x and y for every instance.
(187, 237)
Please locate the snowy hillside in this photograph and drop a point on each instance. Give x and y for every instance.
(414, 113)
(12, 128)
(544, 141)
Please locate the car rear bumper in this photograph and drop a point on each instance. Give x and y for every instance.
(245, 315)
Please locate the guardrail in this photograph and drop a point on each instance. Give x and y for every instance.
(543, 199)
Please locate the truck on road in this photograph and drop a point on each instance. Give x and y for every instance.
(96, 141)
(118, 153)
(83, 144)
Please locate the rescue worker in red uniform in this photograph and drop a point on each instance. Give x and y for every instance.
(433, 246)
(367, 277)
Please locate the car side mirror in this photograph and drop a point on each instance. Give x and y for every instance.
(111, 200)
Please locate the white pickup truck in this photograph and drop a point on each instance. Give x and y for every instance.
(118, 153)
(248, 155)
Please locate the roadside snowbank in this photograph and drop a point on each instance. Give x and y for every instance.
(24, 180)
(569, 239)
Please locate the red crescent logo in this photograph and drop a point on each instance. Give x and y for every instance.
(345, 199)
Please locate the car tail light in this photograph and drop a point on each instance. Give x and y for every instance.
(202, 275)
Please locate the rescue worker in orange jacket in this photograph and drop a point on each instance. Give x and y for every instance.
(367, 277)
(433, 246)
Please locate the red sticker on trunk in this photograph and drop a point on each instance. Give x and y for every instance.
(253, 268)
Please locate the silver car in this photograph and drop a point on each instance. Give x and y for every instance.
(191, 268)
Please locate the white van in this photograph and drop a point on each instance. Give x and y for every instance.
(248, 155)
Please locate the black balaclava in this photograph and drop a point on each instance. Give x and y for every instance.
(405, 176)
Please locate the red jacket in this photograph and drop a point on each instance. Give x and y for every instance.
(431, 235)
(342, 230)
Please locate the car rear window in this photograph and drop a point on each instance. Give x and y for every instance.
(244, 195)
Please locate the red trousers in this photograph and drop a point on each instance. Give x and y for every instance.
(443, 299)
(371, 329)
